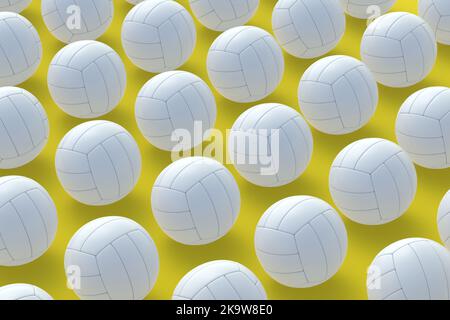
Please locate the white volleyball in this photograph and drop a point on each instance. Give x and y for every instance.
(220, 280)
(111, 258)
(28, 220)
(22, 291)
(220, 15)
(366, 9)
(245, 64)
(158, 35)
(338, 95)
(399, 48)
(301, 241)
(24, 127)
(98, 162)
(308, 28)
(14, 5)
(437, 14)
(373, 181)
(195, 200)
(21, 51)
(423, 127)
(270, 145)
(175, 110)
(87, 79)
(410, 269)
(443, 219)
(72, 20)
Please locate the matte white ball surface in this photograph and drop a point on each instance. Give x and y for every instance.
(158, 35)
(373, 181)
(22, 291)
(73, 20)
(175, 101)
(116, 259)
(399, 48)
(24, 127)
(301, 241)
(365, 9)
(443, 219)
(410, 269)
(437, 14)
(21, 49)
(338, 95)
(245, 64)
(219, 280)
(270, 145)
(87, 79)
(220, 15)
(28, 220)
(14, 5)
(308, 28)
(98, 162)
(423, 127)
(195, 200)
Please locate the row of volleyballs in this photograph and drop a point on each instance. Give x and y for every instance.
(300, 242)
(160, 35)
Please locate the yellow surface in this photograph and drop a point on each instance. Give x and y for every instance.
(176, 259)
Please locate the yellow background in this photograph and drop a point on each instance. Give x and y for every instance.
(175, 259)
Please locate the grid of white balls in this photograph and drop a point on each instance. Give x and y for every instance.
(372, 181)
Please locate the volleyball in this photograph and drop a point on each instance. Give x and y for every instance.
(373, 181)
(98, 162)
(87, 79)
(158, 35)
(308, 28)
(245, 64)
(399, 48)
(72, 20)
(175, 109)
(338, 95)
(22, 49)
(28, 220)
(301, 241)
(270, 145)
(437, 14)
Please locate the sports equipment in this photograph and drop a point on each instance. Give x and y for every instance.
(423, 127)
(112, 258)
(28, 220)
(220, 280)
(245, 64)
(158, 35)
(270, 145)
(195, 200)
(21, 291)
(410, 269)
(399, 48)
(20, 49)
(301, 241)
(338, 95)
(373, 181)
(172, 101)
(308, 28)
(14, 5)
(24, 127)
(443, 219)
(220, 15)
(366, 9)
(73, 20)
(87, 79)
(98, 162)
(437, 14)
